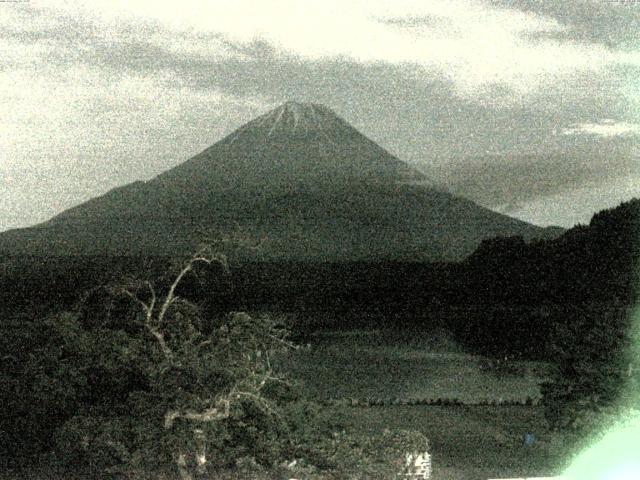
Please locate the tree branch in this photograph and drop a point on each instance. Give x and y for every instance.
(168, 353)
(171, 296)
(215, 413)
(135, 298)
(148, 310)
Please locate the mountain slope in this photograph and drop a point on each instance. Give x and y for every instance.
(301, 178)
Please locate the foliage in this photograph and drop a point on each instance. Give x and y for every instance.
(595, 366)
(349, 456)
(150, 381)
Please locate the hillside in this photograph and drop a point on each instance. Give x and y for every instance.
(300, 178)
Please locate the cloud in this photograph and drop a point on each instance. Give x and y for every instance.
(605, 128)
(578, 204)
(419, 21)
(97, 94)
(471, 43)
(512, 182)
(613, 24)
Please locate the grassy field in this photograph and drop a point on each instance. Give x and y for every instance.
(467, 442)
(471, 442)
(379, 364)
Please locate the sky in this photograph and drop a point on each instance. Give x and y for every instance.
(530, 108)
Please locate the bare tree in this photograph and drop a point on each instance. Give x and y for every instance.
(242, 346)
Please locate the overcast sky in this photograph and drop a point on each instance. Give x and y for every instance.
(531, 108)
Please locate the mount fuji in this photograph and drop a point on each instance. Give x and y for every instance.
(299, 177)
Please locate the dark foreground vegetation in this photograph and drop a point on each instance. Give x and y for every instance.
(78, 363)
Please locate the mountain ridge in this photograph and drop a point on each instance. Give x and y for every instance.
(298, 175)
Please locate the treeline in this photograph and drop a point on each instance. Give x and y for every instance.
(566, 300)
(503, 299)
(316, 296)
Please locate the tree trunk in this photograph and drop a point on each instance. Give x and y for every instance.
(201, 451)
(183, 468)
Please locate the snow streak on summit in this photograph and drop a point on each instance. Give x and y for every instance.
(295, 119)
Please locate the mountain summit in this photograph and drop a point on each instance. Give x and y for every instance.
(295, 119)
(294, 145)
(300, 177)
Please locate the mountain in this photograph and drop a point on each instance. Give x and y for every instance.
(300, 178)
